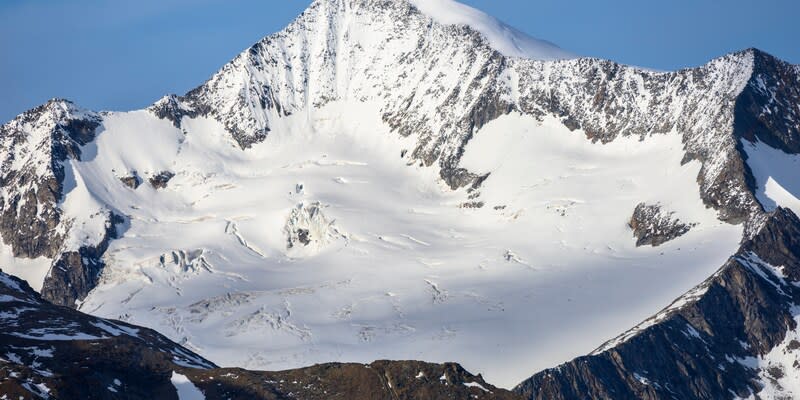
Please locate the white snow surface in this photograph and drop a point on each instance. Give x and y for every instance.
(186, 389)
(775, 172)
(547, 270)
(31, 270)
(507, 40)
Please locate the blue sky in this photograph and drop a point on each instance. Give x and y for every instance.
(122, 55)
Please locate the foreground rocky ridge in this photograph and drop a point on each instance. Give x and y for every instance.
(713, 343)
(48, 351)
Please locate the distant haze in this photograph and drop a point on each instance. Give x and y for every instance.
(114, 55)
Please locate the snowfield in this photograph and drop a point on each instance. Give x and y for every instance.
(395, 266)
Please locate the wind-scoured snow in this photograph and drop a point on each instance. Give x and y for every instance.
(505, 39)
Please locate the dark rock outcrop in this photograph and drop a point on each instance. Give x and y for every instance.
(65, 354)
(132, 181)
(49, 351)
(766, 110)
(75, 273)
(707, 343)
(173, 108)
(161, 179)
(653, 226)
(34, 147)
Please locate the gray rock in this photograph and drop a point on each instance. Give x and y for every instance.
(75, 273)
(161, 179)
(48, 135)
(132, 181)
(653, 226)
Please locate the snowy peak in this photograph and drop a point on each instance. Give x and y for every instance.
(363, 50)
(33, 148)
(767, 107)
(505, 39)
(438, 80)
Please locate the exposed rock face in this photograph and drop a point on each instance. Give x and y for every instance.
(173, 109)
(706, 345)
(53, 350)
(75, 273)
(161, 179)
(132, 181)
(47, 351)
(33, 148)
(653, 226)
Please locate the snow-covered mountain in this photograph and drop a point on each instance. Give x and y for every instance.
(402, 179)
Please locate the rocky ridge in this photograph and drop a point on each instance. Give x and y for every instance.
(452, 83)
(35, 149)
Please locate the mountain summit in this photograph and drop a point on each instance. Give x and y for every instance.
(392, 179)
(505, 39)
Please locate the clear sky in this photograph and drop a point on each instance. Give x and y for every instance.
(122, 55)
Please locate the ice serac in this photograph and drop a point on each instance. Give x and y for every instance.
(733, 336)
(48, 351)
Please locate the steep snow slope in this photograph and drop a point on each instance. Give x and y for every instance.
(775, 174)
(397, 265)
(506, 39)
